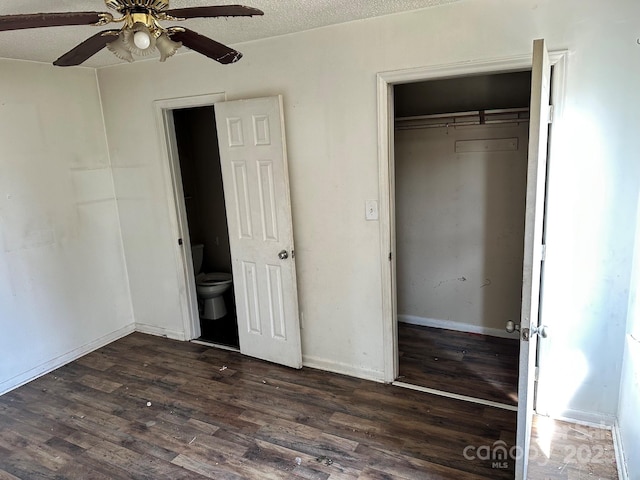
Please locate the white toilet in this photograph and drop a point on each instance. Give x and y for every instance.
(210, 286)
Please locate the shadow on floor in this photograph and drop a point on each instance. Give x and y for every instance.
(223, 331)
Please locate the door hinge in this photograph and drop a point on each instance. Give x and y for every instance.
(536, 374)
(543, 253)
(390, 256)
(293, 254)
(180, 241)
(550, 115)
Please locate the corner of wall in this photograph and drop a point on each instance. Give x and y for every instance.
(115, 196)
(621, 461)
(62, 360)
(342, 368)
(160, 332)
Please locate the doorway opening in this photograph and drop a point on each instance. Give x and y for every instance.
(200, 175)
(246, 140)
(544, 111)
(460, 171)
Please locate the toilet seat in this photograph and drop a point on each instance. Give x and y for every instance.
(212, 279)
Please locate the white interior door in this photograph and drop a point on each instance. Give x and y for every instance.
(256, 191)
(534, 216)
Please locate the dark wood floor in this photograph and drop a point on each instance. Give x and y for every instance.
(146, 407)
(567, 451)
(250, 420)
(464, 363)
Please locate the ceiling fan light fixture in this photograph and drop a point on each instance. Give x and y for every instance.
(166, 46)
(141, 31)
(120, 49)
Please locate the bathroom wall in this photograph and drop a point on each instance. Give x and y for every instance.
(327, 77)
(460, 227)
(202, 178)
(188, 174)
(63, 280)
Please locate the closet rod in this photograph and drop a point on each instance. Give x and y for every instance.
(460, 119)
(460, 124)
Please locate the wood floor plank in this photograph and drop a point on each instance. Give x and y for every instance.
(83, 468)
(469, 364)
(302, 464)
(398, 465)
(22, 466)
(6, 475)
(147, 407)
(571, 451)
(204, 468)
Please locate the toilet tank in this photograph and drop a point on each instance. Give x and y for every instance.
(197, 252)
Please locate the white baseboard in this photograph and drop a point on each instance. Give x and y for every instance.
(621, 461)
(588, 419)
(457, 326)
(455, 396)
(160, 331)
(342, 368)
(62, 360)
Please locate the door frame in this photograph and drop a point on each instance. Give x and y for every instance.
(386, 167)
(185, 275)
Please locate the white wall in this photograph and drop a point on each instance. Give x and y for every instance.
(327, 77)
(63, 281)
(630, 384)
(460, 227)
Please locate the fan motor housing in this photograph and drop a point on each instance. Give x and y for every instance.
(122, 6)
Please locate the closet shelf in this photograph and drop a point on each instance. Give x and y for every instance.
(463, 119)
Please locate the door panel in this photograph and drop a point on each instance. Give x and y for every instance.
(255, 177)
(534, 215)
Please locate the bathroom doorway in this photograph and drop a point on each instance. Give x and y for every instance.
(200, 175)
(250, 147)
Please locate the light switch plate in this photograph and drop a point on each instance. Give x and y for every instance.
(371, 210)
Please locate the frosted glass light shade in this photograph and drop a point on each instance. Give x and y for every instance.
(166, 46)
(120, 49)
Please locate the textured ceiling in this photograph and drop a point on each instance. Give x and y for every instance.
(281, 17)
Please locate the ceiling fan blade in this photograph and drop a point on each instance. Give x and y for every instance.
(86, 49)
(214, 11)
(37, 20)
(206, 46)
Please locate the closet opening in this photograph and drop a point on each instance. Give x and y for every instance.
(460, 182)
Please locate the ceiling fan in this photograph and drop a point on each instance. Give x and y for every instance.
(141, 33)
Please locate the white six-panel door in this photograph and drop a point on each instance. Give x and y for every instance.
(256, 190)
(531, 269)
